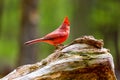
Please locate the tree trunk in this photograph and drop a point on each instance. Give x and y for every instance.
(1, 12)
(83, 59)
(82, 10)
(28, 31)
(117, 55)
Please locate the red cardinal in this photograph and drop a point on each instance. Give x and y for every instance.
(56, 37)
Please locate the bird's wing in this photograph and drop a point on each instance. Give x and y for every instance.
(54, 35)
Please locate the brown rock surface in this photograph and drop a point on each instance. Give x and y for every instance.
(83, 59)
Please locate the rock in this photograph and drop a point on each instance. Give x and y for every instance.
(83, 59)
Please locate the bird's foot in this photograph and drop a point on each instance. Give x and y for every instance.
(59, 46)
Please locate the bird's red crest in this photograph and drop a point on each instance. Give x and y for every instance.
(66, 21)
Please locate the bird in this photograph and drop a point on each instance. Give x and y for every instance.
(55, 38)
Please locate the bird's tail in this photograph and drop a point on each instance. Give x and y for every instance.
(33, 41)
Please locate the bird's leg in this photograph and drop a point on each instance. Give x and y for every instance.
(59, 46)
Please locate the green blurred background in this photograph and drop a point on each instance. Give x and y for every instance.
(23, 20)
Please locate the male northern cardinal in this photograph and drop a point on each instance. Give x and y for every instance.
(56, 37)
